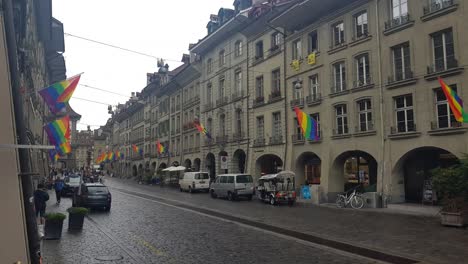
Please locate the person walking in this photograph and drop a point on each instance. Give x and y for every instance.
(40, 198)
(58, 186)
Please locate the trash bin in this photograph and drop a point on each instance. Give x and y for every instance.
(372, 200)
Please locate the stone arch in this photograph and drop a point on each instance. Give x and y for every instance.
(308, 168)
(412, 170)
(188, 164)
(268, 164)
(196, 164)
(134, 171)
(210, 164)
(239, 161)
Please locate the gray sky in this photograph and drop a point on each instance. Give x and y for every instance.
(156, 27)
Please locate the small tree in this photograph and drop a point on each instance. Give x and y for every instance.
(452, 185)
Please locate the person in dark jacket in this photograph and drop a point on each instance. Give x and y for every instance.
(40, 198)
(58, 186)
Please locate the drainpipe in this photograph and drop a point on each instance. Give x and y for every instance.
(286, 101)
(246, 163)
(23, 154)
(381, 97)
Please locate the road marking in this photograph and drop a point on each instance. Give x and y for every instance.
(338, 247)
(148, 245)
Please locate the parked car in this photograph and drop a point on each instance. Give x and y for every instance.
(232, 186)
(93, 195)
(194, 181)
(277, 188)
(72, 182)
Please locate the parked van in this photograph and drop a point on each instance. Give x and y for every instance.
(232, 186)
(194, 181)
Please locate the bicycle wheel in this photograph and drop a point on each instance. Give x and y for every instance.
(357, 202)
(340, 201)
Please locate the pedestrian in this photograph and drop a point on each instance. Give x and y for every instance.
(58, 186)
(40, 198)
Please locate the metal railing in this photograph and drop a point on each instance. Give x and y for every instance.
(338, 88)
(222, 139)
(400, 76)
(314, 98)
(277, 139)
(435, 6)
(237, 95)
(297, 102)
(259, 142)
(362, 82)
(238, 136)
(398, 21)
(258, 101)
(298, 138)
(403, 128)
(274, 96)
(446, 124)
(442, 64)
(341, 132)
(221, 101)
(208, 106)
(365, 127)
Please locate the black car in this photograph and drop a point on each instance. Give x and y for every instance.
(93, 195)
(72, 182)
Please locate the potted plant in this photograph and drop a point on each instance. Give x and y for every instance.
(76, 217)
(452, 185)
(53, 225)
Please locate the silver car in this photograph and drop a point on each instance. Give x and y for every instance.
(233, 186)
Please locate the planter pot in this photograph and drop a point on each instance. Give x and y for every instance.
(53, 229)
(452, 219)
(75, 221)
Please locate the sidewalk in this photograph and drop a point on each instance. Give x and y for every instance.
(88, 246)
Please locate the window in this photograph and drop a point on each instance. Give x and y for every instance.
(365, 115)
(222, 125)
(341, 119)
(401, 62)
(239, 122)
(259, 50)
(221, 88)
(338, 34)
(298, 130)
(404, 114)
(314, 87)
(445, 117)
(210, 125)
(316, 117)
(259, 87)
(339, 77)
(297, 50)
(209, 94)
(277, 125)
(362, 26)
(313, 42)
(260, 127)
(399, 8)
(276, 82)
(275, 41)
(363, 70)
(209, 65)
(444, 51)
(238, 48)
(238, 82)
(222, 58)
(297, 93)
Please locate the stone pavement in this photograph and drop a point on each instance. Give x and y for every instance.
(422, 238)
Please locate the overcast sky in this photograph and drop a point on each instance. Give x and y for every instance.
(160, 28)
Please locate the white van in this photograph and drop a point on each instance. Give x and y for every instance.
(233, 186)
(194, 181)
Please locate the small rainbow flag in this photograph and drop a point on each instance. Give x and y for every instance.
(160, 148)
(138, 150)
(121, 156)
(202, 129)
(58, 131)
(455, 102)
(308, 125)
(58, 94)
(117, 155)
(110, 156)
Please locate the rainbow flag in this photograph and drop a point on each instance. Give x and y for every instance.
(58, 131)
(110, 156)
(138, 150)
(117, 155)
(455, 102)
(53, 155)
(160, 148)
(121, 155)
(64, 148)
(308, 125)
(58, 94)
(202, 129)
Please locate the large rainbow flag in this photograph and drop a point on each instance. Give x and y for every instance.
(307, 124)
(455, 102)
(53, 155)
(161, 149)
(58, 131)
(202, 129)
(64, 148)
(58, 94)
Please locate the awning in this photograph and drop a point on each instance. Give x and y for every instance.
(172, 168)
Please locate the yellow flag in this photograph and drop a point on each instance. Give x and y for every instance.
(295, 65)
(311, 59)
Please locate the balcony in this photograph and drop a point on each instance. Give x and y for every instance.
(147, 155)
(405, 130)
(208, 107)
(364, 130)
(339, 89)
(274, 96)
(238, 136)
(259, 101)
(222, 139)
(298, 139)
(177, 130)
(445, 128)
(341, 133)
(438, 8)
(401, 79)
(222, 101)
(297, 102)
(237, 95)
(363, 83)
(188, 126)
(209, 142)
(259, 142)
(314, 99)
(443, 67)
(276, 140)
(397, 24)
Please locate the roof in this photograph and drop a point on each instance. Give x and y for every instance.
(286, 174)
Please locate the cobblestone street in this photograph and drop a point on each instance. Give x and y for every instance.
(142, 230)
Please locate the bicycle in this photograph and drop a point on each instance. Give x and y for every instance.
(354, 198)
